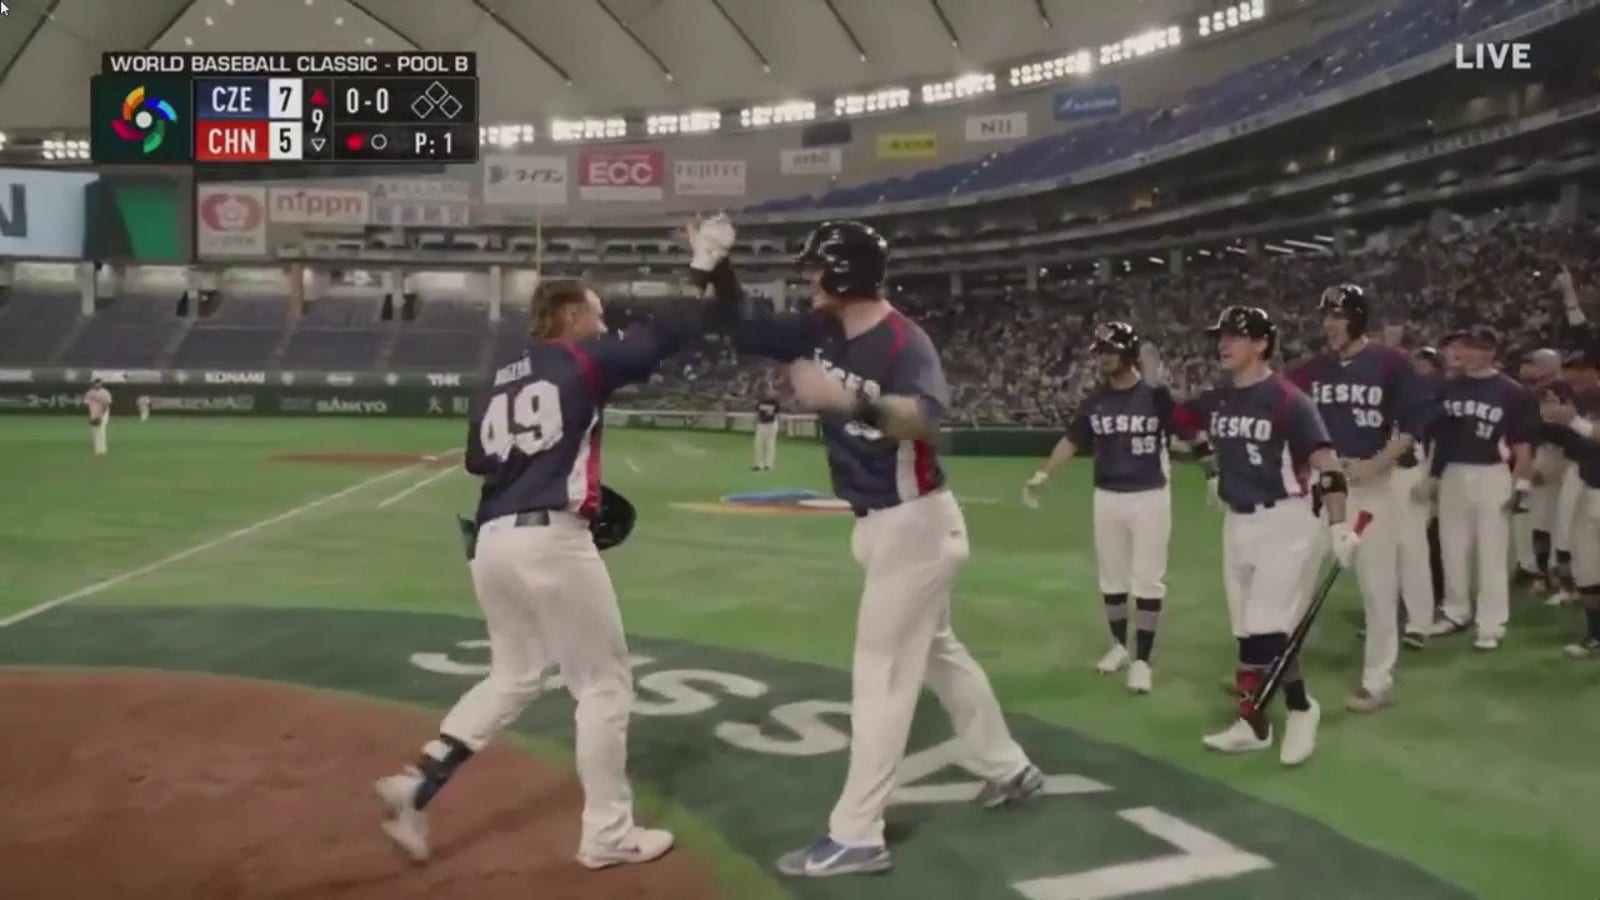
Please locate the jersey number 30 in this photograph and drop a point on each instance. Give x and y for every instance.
(528, 420)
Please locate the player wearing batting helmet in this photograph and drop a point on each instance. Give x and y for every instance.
(1125, 424)
(874, 378)
(1376, 410)
(1263, 437)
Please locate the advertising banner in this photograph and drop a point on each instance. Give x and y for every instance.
(318, 206)
(42, 213)
(1002, 127)
(811, 161)
(1088, 102)
(525, 180)
(625, 174)
(708, 178)
(421, 202)
(230, 221)
(921, 145)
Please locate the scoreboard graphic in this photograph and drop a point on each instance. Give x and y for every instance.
(187, 108)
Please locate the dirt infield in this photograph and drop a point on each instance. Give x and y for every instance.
(385, 460)
(152, 785)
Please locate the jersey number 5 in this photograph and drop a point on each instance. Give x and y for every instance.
(528, 421)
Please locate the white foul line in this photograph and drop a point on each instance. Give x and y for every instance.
(199, 548)
(631, 464)
(390, 501)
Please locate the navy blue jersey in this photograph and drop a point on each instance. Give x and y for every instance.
(534, 436)
(895, 357)
(767, 411)
(1366, 398)
(1546, 434)
(1127, 430)
(1483, 417)
(1263, 436)
(1584, 452)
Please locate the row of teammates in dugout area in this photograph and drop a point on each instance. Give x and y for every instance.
(1361, 421)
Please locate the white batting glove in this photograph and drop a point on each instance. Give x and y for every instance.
(1030, 490)
(710, 243)
(1344, 541)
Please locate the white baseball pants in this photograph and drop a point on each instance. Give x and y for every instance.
(766, 444)
(1131, 534)
(1266, 556)
(97, 434)
(1474, 536)
(911, 554)
(1568, 496)
(1416, 572)
(1585, 536)
(547, 598)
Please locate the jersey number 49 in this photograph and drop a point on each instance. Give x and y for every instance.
(527, 420)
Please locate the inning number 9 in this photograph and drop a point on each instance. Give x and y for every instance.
(528, 421)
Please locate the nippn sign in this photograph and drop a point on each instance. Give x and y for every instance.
(621, 174)
(293, 206)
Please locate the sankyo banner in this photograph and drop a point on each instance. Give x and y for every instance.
(230, 221)
(421, 202)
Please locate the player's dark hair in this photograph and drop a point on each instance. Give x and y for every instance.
(549, 299)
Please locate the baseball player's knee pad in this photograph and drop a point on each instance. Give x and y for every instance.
(1148, 604)
(1115, 599)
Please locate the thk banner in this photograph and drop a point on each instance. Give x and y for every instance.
(621, 174)
(230, 220)
(708, 178)
(525, 180)
(1003, 127)
(811, 161)
(292, 206)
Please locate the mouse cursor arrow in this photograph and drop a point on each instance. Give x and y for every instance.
(4, 10)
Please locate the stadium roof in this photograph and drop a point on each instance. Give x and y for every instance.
(540, 58)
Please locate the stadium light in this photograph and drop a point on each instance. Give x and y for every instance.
(57, 149)
(966, 86)
(1142, 44)
(505, 136)
(699, 121)
(568, 130)
(779, 114)
(1231, 17)
(1080, 63)
(877, 101)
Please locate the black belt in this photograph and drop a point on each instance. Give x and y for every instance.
(532, 518)
(1245, 509)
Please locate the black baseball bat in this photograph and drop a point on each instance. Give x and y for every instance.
(1297, 639)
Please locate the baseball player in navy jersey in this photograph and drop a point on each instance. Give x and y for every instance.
(534, 439)
(875, 381)
(1125, 424)
(1428, 363)
(766, 435)
(1540, 371)
(1263, 437)
(1374, 406)
(1578, 411)
(1479, 472)
(1580, 375)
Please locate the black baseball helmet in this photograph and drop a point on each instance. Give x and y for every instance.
(1431, 355)
(1483, 337)
(1116, 337)
(1349, 301)
(613, 521)
(853, 257)
(1246, 321)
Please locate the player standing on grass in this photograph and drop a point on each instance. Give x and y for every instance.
(1541, 372)
(1262, 438)
(1125, 424)
(98, 400)
(766, 434)
(1581, 374)
(1374, 407)
(1578, 413)
(1479, 473)
(544, 589)
(1421, 604)
(875, 381)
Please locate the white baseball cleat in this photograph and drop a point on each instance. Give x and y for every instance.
(1559, 598)
(642, 845)
(1445, 625)
(403, 823)
(1486, 642)
(1300, 735)
(1238, 738)
(1113, 661)
(1139, 677)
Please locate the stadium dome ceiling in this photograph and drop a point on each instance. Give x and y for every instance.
(540, 58)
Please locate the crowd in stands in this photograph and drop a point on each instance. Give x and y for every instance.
(1019, 358)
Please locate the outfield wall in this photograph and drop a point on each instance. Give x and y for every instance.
(205, 392)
